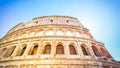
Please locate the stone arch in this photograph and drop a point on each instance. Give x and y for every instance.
(59, 32)
(34, 49)
(72, 49)
(86, 34)
(105, 53)
(95, 50)
(31, 33)
(22, 34)
(84, 49)
(16, 35)
(78, 33)
(10, 51)
(69, 32)
(2, 51)
(22, 50)
(12, 37)
(49, 31)
(47, 49)
(59, 48)
(39, 32)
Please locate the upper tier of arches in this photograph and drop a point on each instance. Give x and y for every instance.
(45, 20)
(50, 31)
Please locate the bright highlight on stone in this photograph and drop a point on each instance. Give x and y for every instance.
(53, 42)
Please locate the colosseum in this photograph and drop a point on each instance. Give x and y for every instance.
(53, 42)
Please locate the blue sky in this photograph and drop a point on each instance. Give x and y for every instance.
(101, 17)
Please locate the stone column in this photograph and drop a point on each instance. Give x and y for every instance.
(98, 47)
(91, 50)
(52, 48)
(44, 32)
(82, 33)
(79, 49)
(16, 50)
(74, 32)
(82, 55)
(54, 30)
(64, 31)
(67, 52)
(27, 48)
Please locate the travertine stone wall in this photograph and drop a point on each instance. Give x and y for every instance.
(53, 42)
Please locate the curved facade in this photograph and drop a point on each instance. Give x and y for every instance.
(53, 42)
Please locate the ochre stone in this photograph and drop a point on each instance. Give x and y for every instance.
(53, 42)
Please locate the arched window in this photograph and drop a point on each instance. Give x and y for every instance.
(59, 49)
(22, 50)
(2, 51)
(86, 34)
(49, 33)
(34, 50)
(39, 32)
(105, 53)
(84, 50)
(78, 33)
(22, 35)
(47, 49)
(72, 50)
(59, 32)
(69, 33)
(10, 51)
(95, 50)
(31, 33)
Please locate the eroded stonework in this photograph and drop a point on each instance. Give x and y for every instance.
(53, 42)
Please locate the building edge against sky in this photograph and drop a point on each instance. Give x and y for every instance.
(53, 41)
(100, 16)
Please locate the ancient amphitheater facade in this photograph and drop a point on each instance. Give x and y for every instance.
(53, 42)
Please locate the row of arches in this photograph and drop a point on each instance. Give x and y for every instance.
(6, 52)
(51, 32)
(60, 49)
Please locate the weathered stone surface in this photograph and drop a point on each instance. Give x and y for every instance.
(53, 42)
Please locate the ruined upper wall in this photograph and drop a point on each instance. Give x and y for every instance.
(44, 20)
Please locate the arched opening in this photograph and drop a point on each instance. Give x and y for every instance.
(59, 49)
(95, 50)
(51, 20)
(22, 50)
(34, 50)
(47, 49)
(59, 32)
(39, 32)
(78, 33)
(50, 32)
(69, 33)
(16, 36)
(31, 33)
(86, 34)
(72, 50)
(2, 51)
(22, 35)
(10, 51)
(105, 53)
(84, 50)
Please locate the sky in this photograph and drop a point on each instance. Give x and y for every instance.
(101, 17)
